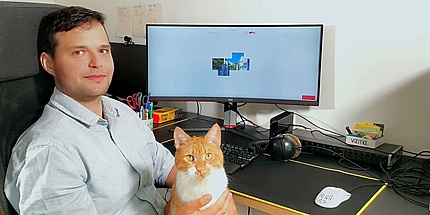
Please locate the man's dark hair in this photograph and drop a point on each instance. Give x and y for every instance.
(64, 19)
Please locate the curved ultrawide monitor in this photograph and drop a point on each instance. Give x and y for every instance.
(235, 63)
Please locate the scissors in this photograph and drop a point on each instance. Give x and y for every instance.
(135, 101)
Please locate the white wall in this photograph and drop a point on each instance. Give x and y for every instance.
(376, 58)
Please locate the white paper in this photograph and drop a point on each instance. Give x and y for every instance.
(123, 26)
(155, 12)
(139, 20)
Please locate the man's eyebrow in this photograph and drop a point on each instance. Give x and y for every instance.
(84, 46)
(76, 47)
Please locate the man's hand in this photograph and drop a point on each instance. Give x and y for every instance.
(224, 205)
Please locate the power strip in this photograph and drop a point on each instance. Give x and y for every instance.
(386, 154)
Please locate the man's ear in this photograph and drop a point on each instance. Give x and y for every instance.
(47, 61)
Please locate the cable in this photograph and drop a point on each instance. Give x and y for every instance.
(198, 111)
(317, 126)
(411, 181)
(416, 155)
(340, 162)
(362, 185)
(244, 120)
(294, 125)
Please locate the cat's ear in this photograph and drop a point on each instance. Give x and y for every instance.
(180, 137)
(214, 135)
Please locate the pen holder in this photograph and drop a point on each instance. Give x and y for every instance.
(149, 123)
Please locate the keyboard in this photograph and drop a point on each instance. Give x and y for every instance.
(236, 157)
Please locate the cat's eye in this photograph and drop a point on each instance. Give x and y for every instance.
(189, 158)
(209, 156)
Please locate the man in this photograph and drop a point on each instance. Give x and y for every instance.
(89, 154)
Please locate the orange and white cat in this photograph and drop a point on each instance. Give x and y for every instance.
(200, 165)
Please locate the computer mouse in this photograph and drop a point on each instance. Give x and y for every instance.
(331, 197)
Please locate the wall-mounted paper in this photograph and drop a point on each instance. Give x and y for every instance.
(139, 20)
(123, 26)
(155, 12)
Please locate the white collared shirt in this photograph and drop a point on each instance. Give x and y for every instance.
(73, 162)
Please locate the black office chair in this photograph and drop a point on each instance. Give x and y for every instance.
(24, 86)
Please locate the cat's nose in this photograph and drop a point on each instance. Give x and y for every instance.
(199, 171)
(202, 173)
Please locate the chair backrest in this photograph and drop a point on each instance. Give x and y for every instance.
(24, 86)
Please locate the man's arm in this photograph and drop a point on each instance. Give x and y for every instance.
(171, 177)
(51, 183)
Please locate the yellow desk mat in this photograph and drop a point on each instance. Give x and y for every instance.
(292, 187)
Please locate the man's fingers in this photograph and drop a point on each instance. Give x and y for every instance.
(227, 204)
(196, 205)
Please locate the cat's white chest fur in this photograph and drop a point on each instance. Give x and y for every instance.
(190, 188)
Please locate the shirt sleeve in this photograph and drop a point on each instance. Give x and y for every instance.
(51, 183)
(163, 160)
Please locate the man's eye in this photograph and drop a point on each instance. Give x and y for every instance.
(79, 52)
(104, 51)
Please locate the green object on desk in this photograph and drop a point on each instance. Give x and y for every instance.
(151, 108)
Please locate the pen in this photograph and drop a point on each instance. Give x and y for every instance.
(151, 108)
(144, 114)
(147, 101)
(348, 130)
(140, 112)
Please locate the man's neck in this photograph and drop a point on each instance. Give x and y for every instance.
(94, 105)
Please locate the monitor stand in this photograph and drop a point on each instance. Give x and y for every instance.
(230, 114)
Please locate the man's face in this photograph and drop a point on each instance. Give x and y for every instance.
(82, 66)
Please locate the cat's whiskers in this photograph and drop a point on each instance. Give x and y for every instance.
(231, 180)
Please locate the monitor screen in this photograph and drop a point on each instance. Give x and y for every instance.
(129, 74)
(235, 63)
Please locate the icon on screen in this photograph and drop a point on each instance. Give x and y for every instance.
(225, 66)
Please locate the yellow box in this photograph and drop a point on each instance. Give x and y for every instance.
(164, 114)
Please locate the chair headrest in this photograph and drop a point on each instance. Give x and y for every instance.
(18, 38)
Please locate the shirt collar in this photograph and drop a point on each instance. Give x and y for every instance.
(80, 113)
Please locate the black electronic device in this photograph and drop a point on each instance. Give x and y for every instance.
(231, 63)
(386, 154)
(282, 147)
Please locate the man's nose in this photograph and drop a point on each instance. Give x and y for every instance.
(95, 61)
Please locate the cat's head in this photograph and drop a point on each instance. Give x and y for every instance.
(198, 155)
